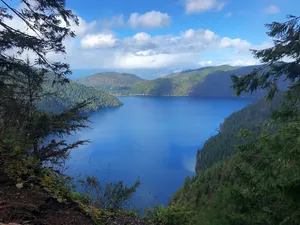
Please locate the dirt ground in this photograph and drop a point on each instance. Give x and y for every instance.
(32, 206)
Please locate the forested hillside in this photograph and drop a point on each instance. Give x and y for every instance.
(68, 94)
(177, 84)
(211, 81)
(110, 81)
(223, 145)
(244, 186)
(204, 82)
(209, 197)
(181, 84)
(253, 178)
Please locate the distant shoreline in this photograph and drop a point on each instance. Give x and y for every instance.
(147, 95)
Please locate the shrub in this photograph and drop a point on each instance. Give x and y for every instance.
(110, 196)
(171, 215)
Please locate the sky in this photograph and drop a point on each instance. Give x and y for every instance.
(155, 37)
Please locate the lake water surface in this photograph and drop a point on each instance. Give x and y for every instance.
(154, 138)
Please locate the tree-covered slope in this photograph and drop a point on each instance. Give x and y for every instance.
(211, 81)
(255, 186)
(259, 183)
(71, 93)
(201, 72)
(218, 83)
(178, 84)
(110, 81)
(222, 145)
(240, 178)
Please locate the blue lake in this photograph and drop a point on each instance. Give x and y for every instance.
(154, 138)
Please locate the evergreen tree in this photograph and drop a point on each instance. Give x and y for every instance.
(286, 39)
(24, 67)
(269, 171)
(260, 182)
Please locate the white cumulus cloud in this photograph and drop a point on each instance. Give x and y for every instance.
(142, 36)
(83, 27)
(237, 43)
(191, 48)
(149, 61)
(184, 50)
(98, 41)
(152, 19)
(200, 6)
(139, 42)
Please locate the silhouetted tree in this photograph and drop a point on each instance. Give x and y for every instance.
(40, 28)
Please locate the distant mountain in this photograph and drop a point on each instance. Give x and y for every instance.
(186, 83)
(71, 93)
(218, 83)
(213, 81)
(110, 81)
(148, 74)
(201, 72)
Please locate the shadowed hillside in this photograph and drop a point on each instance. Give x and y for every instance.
(66, 95)
(211, 81)
(180, 84)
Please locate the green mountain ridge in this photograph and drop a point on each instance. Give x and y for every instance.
(110, 81)
(71, 93)
(179, 84)
(202, 71)
(213, 81)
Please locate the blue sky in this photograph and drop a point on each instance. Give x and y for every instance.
(160, 36)
(244, 18)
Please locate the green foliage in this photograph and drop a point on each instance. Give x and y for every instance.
(269, 179)
(22, 80)
(36, 98)
(172, 215)
(259, 183)
(109, 196)
(96, 200)
(245, 134)
(286, 44)
(17, 165)
(250, 119)
(269, 170)
(58, 185)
